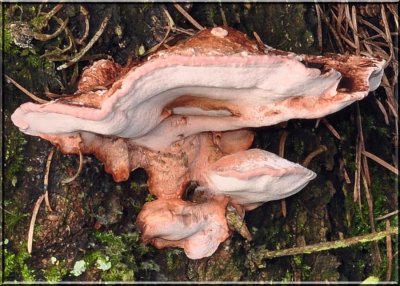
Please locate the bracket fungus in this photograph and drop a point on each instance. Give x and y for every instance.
(184, 113)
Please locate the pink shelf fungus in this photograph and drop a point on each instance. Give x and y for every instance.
(183, 114)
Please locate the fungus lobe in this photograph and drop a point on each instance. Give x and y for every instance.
(184, 113)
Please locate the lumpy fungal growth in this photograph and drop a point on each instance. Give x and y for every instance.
(183, 114)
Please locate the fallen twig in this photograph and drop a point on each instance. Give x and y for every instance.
(323, 246)
(237, 223)
(387, 215)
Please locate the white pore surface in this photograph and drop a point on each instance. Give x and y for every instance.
(194, 224)
(376, 77)
(169, 225)
(257, 179)
(144, 93)
(253, 83)
(205, 243)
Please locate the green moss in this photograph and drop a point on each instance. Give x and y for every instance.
(371, 280)
(112, 251)
(118, 189)
(21, 61)
(217, 268)
(7, 40)
(119, 257)
(302, 267)
(173, 258)
(118, 272)
(39, 22)
(56, 271)
(15, 264)
(134, 186)
(271, 21)
(13, 215)
(137, 206)
(10, 263)
(288, 277)
(298, 259)
(298, 146)
(150, 198)
(211, 14)
(14, 156)
(360, 223)
(301, 220)
(370, 126)
(382, 184)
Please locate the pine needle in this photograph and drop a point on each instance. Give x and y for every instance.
(24, 90)
(32, 224)
(188, 17)
(389, 251)
(313, 154)
(70, 180)
(282, 142)
(388, 215)
(381, 162)
(331, 128)
(46, 179)
(83, 51)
